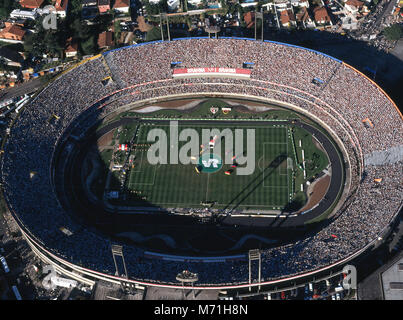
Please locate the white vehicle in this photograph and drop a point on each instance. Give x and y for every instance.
(268, 296)
(333, 297)
(310, 286)
(339, 289)
(338, 296)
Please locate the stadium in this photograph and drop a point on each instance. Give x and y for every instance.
(357, 128)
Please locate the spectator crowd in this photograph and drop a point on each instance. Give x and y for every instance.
(282, 74)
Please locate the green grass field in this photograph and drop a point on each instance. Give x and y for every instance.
(275, 183)
(178, 185)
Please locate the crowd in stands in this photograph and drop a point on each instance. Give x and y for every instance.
(284, 74)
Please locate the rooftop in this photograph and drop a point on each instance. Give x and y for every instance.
(31, 4)
(121, 3)
(321, 14)
(105, 39)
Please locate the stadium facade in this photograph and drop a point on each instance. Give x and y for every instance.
(356, 112)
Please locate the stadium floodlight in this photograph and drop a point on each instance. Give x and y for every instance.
(164, 16)
(259, 15)
(117, 250)
(255, 254)
(162, 31)
(187, 277)
(213, 29)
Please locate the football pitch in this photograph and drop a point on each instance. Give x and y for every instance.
(268, 187)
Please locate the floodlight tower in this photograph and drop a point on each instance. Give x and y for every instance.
(164, 19)
(213, 30)
(255, 254)
(259, 15)
(187, 277)
(118, 251)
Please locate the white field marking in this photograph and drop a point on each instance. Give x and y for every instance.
(264, 146)
(185, 203)
(144, 183)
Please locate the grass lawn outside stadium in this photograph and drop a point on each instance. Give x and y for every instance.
(274, 185)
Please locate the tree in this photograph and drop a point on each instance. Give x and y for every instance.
(89, 45)
(43, 41)
(102, 22)
(154, 34)
(394, 32)
(3, 63)
(6, 6)
(118, 30)
(156, 8)
(52, 43)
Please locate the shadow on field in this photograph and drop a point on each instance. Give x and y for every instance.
(255, 183)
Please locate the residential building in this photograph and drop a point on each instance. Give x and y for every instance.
(173, 4)
(353, 6)
(71, 48)
(89, 3)
(249, 18)
(31, 4)
(104, 6)
(287, 18)
(322, 16)
(12, 33)
(348, 22)
(61, 7)
(122, 6)
(304, 19)
(24, 14)
(282, 4)
(105, 40)
(195, 2)
(300, 3)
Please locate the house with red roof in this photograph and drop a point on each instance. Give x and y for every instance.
(71, 48)
(122, 6)
(287, 18)
(105, 40)
(304, 18)
(61, 7)
(13, 33)
(249, 18)
(104, 6)
(31, 4)
(321, 16)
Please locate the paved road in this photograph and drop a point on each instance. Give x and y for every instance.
(19, 90)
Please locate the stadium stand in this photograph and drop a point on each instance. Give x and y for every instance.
(282, 74)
